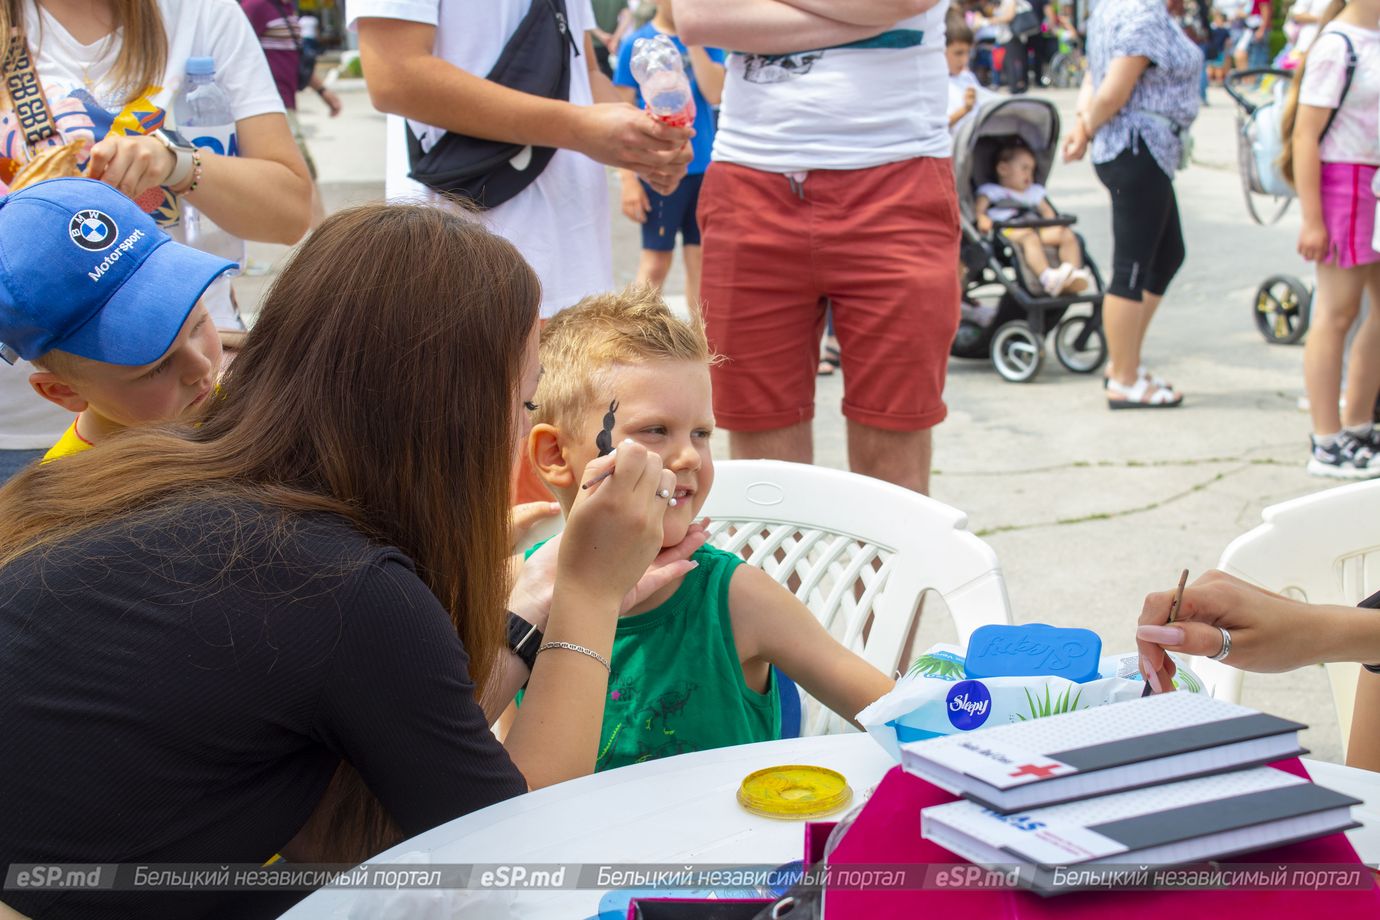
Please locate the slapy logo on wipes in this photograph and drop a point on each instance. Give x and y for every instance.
(968, 705)
(93, 230)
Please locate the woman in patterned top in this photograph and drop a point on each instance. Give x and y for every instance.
(1138, 100)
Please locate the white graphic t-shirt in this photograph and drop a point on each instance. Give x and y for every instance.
(83, 105)
(560, 223)
(1355, 133)
(856, 106)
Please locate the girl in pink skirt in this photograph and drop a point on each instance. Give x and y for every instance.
(1334, 149)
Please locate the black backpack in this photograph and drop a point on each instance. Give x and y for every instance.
(536, 60)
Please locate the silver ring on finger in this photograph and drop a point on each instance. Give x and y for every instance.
(1226, 645)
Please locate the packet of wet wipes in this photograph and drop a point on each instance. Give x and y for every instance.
(937, 697)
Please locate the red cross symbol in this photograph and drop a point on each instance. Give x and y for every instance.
(1031, 769)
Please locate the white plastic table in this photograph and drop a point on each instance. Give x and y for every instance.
(676, 810)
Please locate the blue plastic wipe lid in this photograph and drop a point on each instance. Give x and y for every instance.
(1033, 650)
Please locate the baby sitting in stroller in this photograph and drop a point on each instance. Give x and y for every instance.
(1016, 194)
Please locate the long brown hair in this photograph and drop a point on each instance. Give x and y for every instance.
(143, 57)
(379, 383)
(1291, 104)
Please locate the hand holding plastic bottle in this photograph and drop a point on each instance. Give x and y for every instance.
(660, 73)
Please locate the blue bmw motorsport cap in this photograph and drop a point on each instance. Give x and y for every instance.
(85, 271)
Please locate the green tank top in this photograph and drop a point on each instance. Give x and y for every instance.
(677, 685)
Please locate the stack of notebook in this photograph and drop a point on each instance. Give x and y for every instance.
(1164, 780)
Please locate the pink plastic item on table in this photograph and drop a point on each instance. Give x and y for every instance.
(887, 832)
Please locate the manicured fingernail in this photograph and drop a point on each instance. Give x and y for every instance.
(1151, 674)
(627, 440)
(1161, 635)
(554, 506)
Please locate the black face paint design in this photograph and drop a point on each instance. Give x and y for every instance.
(604, 439)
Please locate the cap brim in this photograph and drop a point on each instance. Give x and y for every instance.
(141, 320)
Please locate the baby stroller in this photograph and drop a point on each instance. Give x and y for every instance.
(1282, 302)
(1007, 315)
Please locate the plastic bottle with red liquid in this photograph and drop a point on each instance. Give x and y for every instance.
(660, 73)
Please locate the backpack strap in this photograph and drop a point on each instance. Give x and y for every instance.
(1351, 61)
(288, 17)
(26, 92)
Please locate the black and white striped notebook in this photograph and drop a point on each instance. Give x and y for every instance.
(1092, 752)
(1195, 820)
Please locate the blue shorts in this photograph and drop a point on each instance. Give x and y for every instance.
(673, 214)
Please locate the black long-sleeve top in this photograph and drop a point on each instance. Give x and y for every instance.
(180, 689)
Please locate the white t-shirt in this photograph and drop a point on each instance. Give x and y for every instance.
(560, 222)
(1355, 133)
(83, 106)
(959, 84)
(839, 108)
(994, 193)
(1309, 30)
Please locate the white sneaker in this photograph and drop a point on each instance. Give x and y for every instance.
(1080, 279)
(1055, 280)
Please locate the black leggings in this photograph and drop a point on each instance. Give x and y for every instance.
(1014, 66)
(1147, 241)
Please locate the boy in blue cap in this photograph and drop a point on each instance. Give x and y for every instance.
(107, 307)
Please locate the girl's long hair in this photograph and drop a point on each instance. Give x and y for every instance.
(142, 60)
(1291, 104)
(379, 383)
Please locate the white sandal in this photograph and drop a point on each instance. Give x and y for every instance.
(1143, 394)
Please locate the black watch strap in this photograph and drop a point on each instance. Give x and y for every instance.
(1372, 603)
(524, 639)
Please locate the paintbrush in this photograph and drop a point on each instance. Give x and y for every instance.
(1178, 596)
(1174, 606)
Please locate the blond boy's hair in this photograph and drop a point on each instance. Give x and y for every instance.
(64, 365)
(580, 345)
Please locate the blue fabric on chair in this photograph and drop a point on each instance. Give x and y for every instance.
(790, 703)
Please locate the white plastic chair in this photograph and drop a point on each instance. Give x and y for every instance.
(859, 552)
(1322, 548)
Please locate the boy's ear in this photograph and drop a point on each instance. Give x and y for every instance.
(52, 388)
(544, 448)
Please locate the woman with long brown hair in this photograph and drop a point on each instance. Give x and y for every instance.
(90, 85)
(201, 625)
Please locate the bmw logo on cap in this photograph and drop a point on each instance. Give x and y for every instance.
(93, 230)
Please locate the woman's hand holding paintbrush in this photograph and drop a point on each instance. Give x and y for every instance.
(614, 527)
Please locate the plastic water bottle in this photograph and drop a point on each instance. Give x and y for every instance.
(203, 115)
(659, 71)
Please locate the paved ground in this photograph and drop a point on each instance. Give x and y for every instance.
(1087, 509)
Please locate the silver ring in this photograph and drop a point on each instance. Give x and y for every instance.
(1226, 646)
(663, 493)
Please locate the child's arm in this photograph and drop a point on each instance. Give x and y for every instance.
(1307, 136)
(770, 625)
(709, 74)
(1046, 210)
(980, 206)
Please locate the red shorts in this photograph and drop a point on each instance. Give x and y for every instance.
(880, 244)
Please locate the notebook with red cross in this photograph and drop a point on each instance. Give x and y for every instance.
(1093, 752)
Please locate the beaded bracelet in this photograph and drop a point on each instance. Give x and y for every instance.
(572, 647)
(196, 171)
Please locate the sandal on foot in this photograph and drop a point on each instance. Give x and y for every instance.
(1142, 373)
(1143, 394)
(829, 362)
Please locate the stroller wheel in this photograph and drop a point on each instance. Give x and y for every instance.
(1017, 352)
(1281, 309)
(1084, 358)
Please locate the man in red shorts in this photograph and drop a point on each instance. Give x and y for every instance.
(830, 181)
